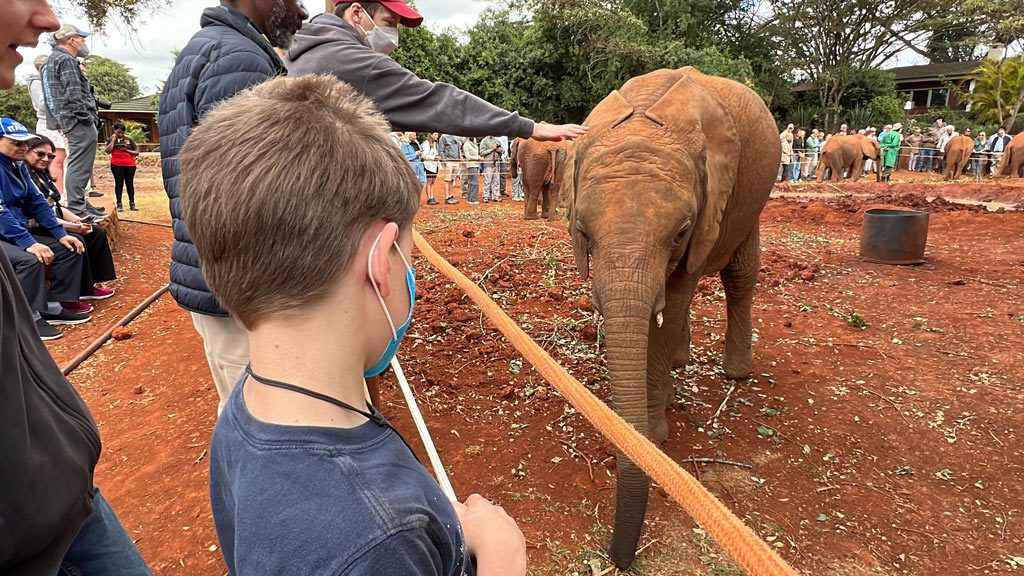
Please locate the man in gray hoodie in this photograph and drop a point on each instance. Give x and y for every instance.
(353, 44)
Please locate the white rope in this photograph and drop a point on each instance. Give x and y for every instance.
(421, 427)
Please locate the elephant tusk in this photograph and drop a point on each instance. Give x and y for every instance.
(660, 319)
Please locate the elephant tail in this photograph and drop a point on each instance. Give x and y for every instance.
(549, 174)
(513, 151)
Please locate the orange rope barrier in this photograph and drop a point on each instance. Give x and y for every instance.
(740, 542)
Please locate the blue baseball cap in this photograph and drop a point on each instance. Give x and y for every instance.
(10, 128)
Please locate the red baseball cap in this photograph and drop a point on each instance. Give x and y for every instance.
(409, 17)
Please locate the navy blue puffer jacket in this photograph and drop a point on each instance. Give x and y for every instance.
(228, 55)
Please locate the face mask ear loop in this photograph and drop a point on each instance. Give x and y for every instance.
(408, 268)
(369, 267)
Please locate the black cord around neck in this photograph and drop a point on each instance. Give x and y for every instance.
(373, 415)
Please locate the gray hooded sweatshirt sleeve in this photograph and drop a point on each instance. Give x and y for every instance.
(328, 45)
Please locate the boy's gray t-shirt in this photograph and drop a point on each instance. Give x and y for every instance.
(317, 500)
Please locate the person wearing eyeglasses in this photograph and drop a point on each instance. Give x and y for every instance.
(99, 262)
(31, 248)
(123, 150)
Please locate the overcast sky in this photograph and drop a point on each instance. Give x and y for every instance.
(147, 52)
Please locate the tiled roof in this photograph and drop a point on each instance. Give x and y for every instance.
(951, 70)
(140, 104)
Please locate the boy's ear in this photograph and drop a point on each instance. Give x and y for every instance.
(380, 258)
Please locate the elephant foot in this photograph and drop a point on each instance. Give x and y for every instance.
(545, 215)
(530, 216)
(738, 366)
(682, 358)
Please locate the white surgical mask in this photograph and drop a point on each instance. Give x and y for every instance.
(383, 39)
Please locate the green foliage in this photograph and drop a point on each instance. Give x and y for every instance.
(97, 12)
(997, 87)
(136, 131)
(111, 79)
(885, 109)
(857, 117)
(865, 84)
(16, 103)
(804, 116)
(711, 60)
(429, 55)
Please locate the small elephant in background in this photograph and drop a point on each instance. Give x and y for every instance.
(542, 165)
(843, 154)
(957, 154)
(1012, 163)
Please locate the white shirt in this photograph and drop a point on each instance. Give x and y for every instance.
(429, 151)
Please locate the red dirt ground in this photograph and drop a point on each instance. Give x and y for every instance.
(892, 448)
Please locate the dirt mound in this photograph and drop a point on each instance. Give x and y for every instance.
(918, 202)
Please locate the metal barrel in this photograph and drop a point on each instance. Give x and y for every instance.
(894, 236)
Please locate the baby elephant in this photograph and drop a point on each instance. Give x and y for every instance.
(957, 154)
(667, 187)
(542, 165)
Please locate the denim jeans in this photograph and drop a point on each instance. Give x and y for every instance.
(927, 157)
(794, 173)
(913, 162)
(103, 547)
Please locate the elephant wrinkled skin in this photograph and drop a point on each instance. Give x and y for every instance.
(1012, 163)
(957, 154)
(844, 154)
(662, 190)
(542, 165)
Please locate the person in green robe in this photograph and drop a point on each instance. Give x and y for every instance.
(890, 143)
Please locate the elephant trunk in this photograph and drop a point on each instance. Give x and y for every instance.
(627, 307)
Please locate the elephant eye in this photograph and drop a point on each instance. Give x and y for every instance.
(683, 231)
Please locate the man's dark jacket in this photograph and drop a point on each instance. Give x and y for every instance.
(48, 445)
(227, 56)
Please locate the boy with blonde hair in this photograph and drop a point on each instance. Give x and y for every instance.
(307, 477)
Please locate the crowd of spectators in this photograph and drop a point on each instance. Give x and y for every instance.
(37, 232)
(49, 230)
(924, 149)
(464, 159)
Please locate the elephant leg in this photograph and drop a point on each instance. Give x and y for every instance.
(530, 208)
(545, 201)
(739, 279)
(665, 344)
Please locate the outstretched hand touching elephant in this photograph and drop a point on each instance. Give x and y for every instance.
(666, 187)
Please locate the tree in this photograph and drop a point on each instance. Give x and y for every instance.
(1000, 22)
(111, 79)
(998, 85)
(16, 103)
(848, 38)
(97, 12)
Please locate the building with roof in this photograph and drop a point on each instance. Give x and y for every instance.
(928, 86)
(143, 110)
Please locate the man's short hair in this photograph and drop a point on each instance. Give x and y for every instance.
(280, 183)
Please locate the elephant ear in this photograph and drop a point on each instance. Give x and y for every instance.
(868, 147)
(580, 244)
(607, 115)
(689, 106)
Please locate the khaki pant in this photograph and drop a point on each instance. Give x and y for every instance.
(227, 351)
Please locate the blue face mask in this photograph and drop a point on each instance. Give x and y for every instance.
(396, 333)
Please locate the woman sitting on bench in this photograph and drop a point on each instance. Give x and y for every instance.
(99, 262)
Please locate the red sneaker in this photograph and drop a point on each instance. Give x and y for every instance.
(77, 307)
(99, 293)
